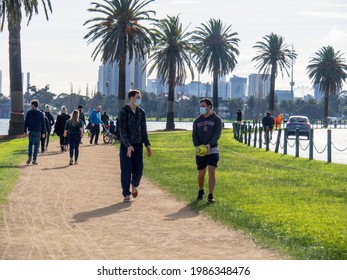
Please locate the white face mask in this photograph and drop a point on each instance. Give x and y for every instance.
(203, 110)
(138, 102)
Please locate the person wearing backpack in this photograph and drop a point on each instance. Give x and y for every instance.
(132, 136)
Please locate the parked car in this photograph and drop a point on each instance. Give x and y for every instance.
(300, 122)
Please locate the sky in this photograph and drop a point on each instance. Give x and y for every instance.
(55, 53)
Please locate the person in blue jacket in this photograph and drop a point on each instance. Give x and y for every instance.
(95, 121)
(35, 125)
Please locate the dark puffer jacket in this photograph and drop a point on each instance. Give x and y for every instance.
(132, 126)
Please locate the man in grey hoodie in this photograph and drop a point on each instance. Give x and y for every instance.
(207, 129)
(35, 124)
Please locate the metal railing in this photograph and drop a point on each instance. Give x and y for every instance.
(251, 133)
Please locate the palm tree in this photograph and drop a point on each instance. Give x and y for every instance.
(171, 55)
(12, 10)
(216, 49)
(273, 55)
(120, 34)
(327, 69)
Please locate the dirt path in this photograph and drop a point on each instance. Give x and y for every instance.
(66, 212)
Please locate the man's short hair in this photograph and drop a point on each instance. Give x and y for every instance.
(133, 92)
(35, 103)
(207, 101)
(80, 106)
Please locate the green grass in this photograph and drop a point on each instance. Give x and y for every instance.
(295, 205)
(12, 153)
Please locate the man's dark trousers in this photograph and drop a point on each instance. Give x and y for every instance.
(131, 168)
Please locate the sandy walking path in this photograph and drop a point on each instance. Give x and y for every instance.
(57, 211)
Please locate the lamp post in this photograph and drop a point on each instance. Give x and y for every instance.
(292, 83)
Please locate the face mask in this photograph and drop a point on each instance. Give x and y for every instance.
(203, 110)
(138, 102)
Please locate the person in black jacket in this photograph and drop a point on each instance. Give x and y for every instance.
(47, 131)
(35, 125)
(268, 124)
(51, 123)
(60, 127)
(81, 117)
(104, 119)
(133, 135)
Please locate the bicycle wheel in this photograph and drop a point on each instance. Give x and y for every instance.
(106, 139)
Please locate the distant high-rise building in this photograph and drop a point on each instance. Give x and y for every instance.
(223, 88)
(283, 95)
(109, 72)
(161, 89)
(238, 87)
(151, 86)
(258, 87)
(1, 81)
(195, 88)
(318, 94)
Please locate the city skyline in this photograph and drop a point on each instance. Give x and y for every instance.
(55, 53)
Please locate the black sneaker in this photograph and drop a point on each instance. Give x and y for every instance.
(34, 162)
(200, 195)
(29, 160)
(210, 199)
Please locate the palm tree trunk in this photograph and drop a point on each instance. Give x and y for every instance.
(326, 108)
(170, 123)
(16, 88)
(121, 84)
(122, 75)
(272, 90)
(215, 92)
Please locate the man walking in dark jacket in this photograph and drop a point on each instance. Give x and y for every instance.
(268, 124)
(133, 135)
(35, 124)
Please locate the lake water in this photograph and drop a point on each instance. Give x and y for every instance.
(151, 126)
(4, 123)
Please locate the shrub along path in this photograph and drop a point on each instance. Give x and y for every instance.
(57, 211)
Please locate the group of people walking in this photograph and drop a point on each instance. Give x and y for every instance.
(38, 125)
(133, 137)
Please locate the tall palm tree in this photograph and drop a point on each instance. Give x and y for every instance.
(120, 34)
(171, 55)
(12, 11)
(216, 50)
(327, 69)
(274, 55)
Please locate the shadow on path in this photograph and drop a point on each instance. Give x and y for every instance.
(100, 212)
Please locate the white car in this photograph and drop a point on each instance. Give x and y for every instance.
(300, 122)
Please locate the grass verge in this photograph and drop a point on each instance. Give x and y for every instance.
(12, 153)
(295, 205)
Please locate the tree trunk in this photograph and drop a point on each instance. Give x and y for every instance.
(215, 92)
(121, 84)
(272, 90)
(326, 108)
(170, 123)
(122, 75)
(16, 86)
